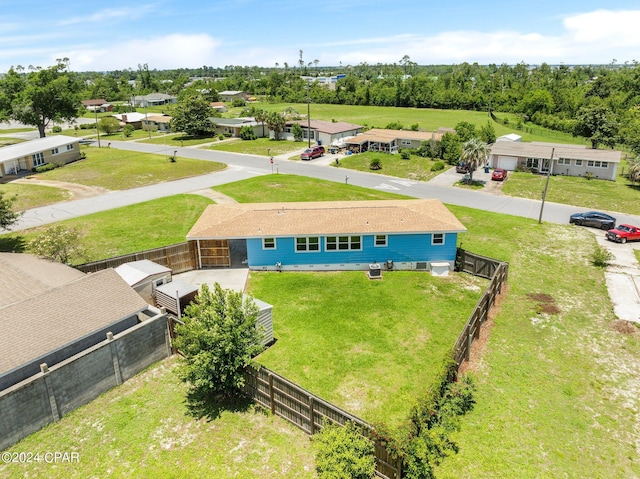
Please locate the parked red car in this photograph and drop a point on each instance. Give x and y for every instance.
(499, 174)
(623, 233)
(313, 152)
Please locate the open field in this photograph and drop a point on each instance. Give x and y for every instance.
(118, 170)
(368, 346)
(177, 139)
(144, 429)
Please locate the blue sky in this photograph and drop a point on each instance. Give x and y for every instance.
(104, 36)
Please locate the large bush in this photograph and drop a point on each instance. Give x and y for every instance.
(343, 453)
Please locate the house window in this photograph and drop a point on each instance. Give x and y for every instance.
(405, 142)
(380, 240)
(54, 151)
(308, 244)
(305, 134)
(268, 243)
(287, 129)
(532, 163)
(590, 163)
(437, 238)
(604, 164)
(564, 161)
(344, 243)
(69, 147)
(578, 162)
(38, 159)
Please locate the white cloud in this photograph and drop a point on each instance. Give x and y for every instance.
(162, 52)
(108, 14)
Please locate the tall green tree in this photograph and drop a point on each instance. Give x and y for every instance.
(58, 243)
(8, 217)
(597, 123)
(42, 96)
(218, 339)
(192, 116)
(475, 152)
(276, 122)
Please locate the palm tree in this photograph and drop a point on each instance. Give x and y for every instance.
(634, 169)
(475, 152)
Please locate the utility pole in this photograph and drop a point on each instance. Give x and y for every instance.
(308, 115)
(95, 109)
(546, 185)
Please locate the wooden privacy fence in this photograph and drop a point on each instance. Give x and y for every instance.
(179, 257)
(309, 412)
(485, 267)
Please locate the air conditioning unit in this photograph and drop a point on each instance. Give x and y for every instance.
(375, 272)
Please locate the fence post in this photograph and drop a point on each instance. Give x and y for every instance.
(311, 418)
(272, 402)
(469, 343)
(399, 468)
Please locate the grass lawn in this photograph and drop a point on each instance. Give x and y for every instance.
(415, 168)
(143, 429)
(126, 230)
(118, 170)
(7, 140)
(178, 139)
(571, 190)
(259, 146)
(367, 346)
(558, 381)
(32, 196)
(270, 188)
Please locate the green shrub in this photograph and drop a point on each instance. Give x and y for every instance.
(414, 127)
(88, 126)
(343, 453)
(375, 164)
(438, 166)
(394, 125)
(601, 257)
(128, 130)
(247, 133)
(405, 155)
(220, 136)
(588, 175)
(56, 129)
(47, 167)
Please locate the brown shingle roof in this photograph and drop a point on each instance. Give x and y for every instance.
(328, 127)
(38, 325)
(386, 136)
(321, 218)
(23, 276)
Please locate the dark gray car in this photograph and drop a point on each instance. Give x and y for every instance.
(594, 219)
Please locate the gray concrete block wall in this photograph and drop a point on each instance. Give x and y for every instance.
(41, 399)
(24, 409)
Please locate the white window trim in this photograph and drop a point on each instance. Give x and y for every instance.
(564, 161)
(578, 162)
(337, 243)
(54, 151)
(375, 241)
(69, 147)
(38, 159)
(264, 247)
(306, 244)
(433, 239)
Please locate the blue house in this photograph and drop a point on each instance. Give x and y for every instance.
(328, 235)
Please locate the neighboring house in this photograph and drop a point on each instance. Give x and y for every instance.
(31, 154)
(99, 105)
(67, 337)
(218, 106)
(389, 141)
(322, 132)
(230, 95)
(333, 235)
(570, 160)
(233, 126)
(144, 276)
(134, 119)
(153, 99)
(161, 123)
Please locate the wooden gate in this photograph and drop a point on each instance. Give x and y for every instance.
(214, 253)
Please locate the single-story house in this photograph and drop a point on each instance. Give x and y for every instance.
(50, 312)
(570, 160)
(153, 99)
(230, 95)
(323, 132)
(389, 141)
(144, 276)
(331, 235)
(233, 126)
(31, 154)
(133, 118)
(97, 105)
(161, 123)
(218, 106)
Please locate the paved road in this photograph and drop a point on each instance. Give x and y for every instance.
(245, 166)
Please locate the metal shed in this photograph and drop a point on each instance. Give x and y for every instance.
(265, 321)
(144, 276)
(175, 296)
